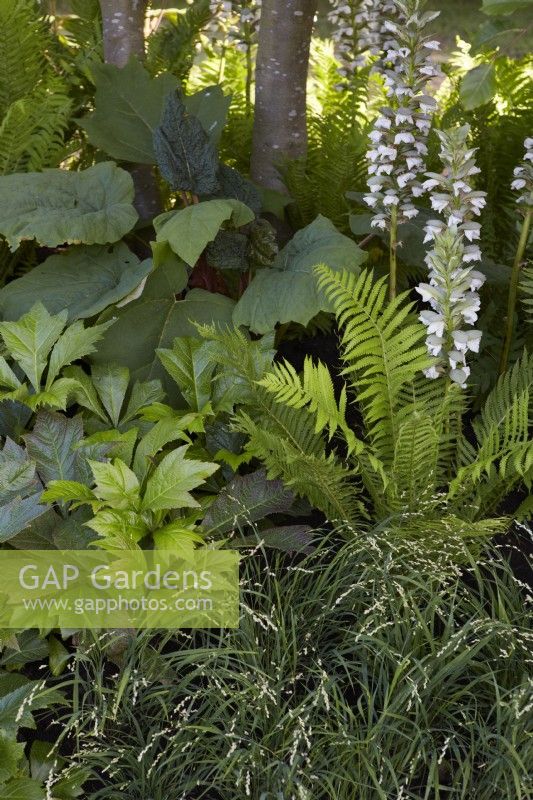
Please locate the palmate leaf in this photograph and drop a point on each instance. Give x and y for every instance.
(383, 349)
(119, 529)
(116, 484)
(185, 155)
(190, 229)
(173, 479)
(65, 491)
(76, 342)
(17, 472)
(84, 280)
(191, 363)
(165, 430)
(11, 752)
(111, 382)
(93, 206)
(22, 789)
(30, 340)
(18, 513)
(288, 290)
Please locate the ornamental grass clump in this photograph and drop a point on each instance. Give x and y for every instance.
(453, 283)
(372, 671)
(522, 183)
(400, 132)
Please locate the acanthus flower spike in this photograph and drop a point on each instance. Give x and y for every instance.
(453, 283)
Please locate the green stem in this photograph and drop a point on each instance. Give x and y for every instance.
(513, 288)
(392, 252)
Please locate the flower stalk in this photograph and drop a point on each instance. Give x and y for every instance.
(452, 288)
(523, 180)
(398, 140)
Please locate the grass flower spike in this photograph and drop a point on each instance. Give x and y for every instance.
(398, 140)
(453, 282)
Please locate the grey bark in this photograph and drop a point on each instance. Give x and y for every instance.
(280, 130)
(123, 34)
(123, 30)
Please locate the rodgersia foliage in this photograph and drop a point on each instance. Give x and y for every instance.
(451, 291)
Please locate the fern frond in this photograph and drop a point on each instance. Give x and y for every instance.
(33, 128)
(526, 289)
(504, 453)
(315, 392)
(172, 46)
(382, 346)
(414, 469)
(22, 50)
(285, 441)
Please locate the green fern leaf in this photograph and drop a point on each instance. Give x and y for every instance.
(383, 349)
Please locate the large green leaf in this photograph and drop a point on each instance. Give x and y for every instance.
(111, 381)
(17, 472)
(478, 86)
(57, 206)
(505, 6)
(190, 229)
(128, 106)
(210, 106)
(288, 291)
(173, 480)
(84, 280)
(154, 321)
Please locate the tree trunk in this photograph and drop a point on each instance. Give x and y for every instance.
(123, 33)
(123, 28)
(280, 130)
